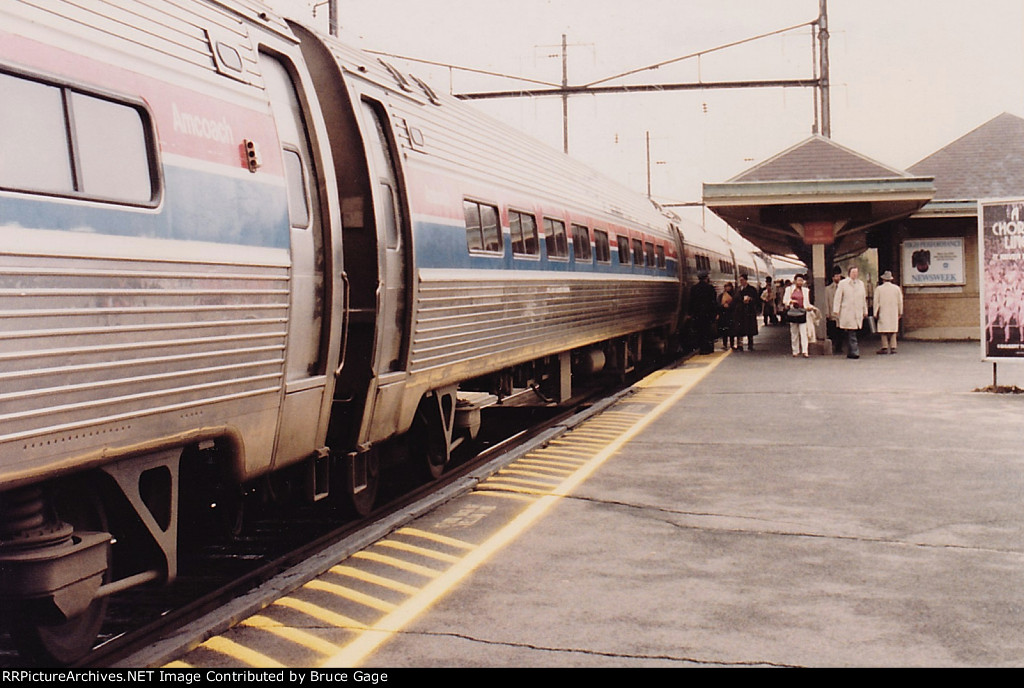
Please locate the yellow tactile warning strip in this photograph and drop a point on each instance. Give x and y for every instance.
(341, 617)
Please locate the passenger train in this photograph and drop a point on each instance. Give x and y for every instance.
(237, 257)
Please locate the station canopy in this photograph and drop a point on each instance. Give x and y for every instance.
(816, 192)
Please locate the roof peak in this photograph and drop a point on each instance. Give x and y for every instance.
(986, 162)
(818, 157)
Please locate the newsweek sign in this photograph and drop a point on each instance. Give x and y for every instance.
(933, 262)
(1001, 272)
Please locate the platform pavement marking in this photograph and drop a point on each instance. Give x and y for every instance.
(681, 379)
(291, 634)
(242, 653)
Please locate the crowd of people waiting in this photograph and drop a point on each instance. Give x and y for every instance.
(733, 314)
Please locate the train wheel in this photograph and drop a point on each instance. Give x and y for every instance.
(34, 629)
(361, 481)
(432, 433)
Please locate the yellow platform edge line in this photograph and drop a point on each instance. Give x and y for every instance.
(222, 645)
(416, 549)
(435, 537)
(320, 614)
(366, 577)
(397, 563)
(291, 634)
(347, 593)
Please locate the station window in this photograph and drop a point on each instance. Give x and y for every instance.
(525, 237)
(623, 244)
(555, 238)
(581, 243)
(56, 140)
(638, 252)
(659, 252)
(602, 247)
(483, 231)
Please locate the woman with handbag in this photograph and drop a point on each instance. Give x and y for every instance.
(797, 301)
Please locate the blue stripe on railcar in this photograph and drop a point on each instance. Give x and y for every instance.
(440, 245)
(198, 206)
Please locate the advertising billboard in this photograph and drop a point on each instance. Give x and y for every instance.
(1001, 277)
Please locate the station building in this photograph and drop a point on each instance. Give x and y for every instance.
(828, 204)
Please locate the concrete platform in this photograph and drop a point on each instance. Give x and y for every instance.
(786, 512)
(819, 512)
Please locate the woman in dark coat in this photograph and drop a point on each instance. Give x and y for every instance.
(748, 307)
(726, 309)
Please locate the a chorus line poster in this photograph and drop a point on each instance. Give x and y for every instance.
(1001, 257)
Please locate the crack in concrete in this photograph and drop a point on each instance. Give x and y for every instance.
(775, 531)
(600, 653)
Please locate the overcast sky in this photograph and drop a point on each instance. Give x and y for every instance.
(908, 76)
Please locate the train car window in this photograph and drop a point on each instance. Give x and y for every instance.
(525, 237)
(659, 252)
(638, 252)
(649, 254)
(55, 140)
(581, 242)
(390, 209)
(555, 238)
(33, 137)
(602, 247)
(623, 244)
(483, 232)
(298, 201)
(111, 145)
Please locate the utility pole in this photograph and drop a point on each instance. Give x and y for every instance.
(332, 15)
(826, 108)
(565, 96)
(648, 164)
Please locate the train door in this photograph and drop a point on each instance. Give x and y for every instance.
(391, 328)
(304, 366)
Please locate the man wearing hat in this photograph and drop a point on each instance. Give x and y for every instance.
(888, 311)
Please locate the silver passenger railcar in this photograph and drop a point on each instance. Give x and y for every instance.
(239, 257)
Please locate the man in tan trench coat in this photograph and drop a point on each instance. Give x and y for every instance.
(851, 306)
(888, 311)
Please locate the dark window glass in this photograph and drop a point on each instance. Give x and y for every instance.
(602, 247)
(660, 255)
(525, 237)
(491, 228)
(474, 239)
(555, 238)
(638, 252)
(581, 242)
(623, 244)
(483, 232)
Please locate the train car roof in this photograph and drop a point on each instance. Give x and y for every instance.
(435, 128)
(698, 235)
